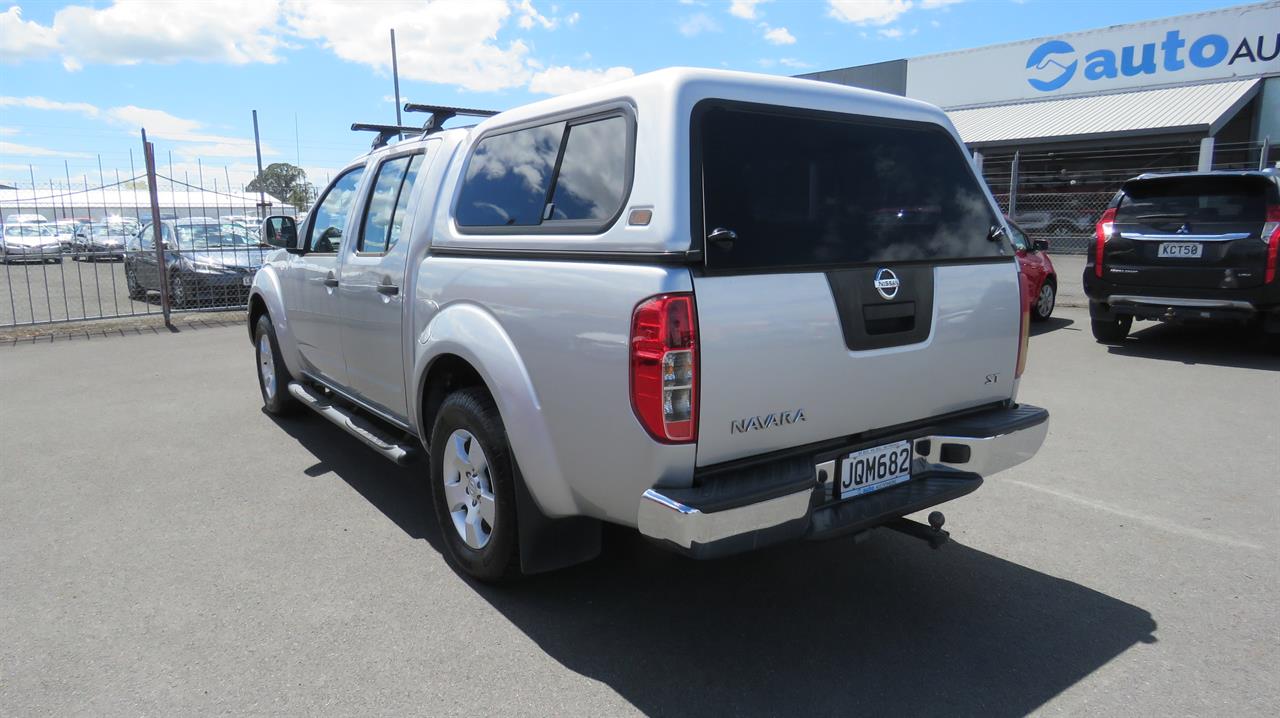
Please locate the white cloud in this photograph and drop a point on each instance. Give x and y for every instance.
(8, 131)
(794, 63)
(697, 24)
(561, 80)
(133, 31)
(879, 12)
(23, 40)
(779, 36)
(159, 125)
(529, 16)
(889, 32)
(573, 18)
(443, 42)
(745, 9)
(12, 149)
(868, 12)
(40, 103)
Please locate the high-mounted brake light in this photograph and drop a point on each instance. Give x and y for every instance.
(664, 367)
(1271, 235)
(1102, 232)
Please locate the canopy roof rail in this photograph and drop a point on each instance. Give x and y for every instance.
(385, 132)
(441, 114)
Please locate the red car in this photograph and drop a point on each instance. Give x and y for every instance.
(1039, 280)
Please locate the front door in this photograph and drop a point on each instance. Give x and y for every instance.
(372, 287)
(313, 310)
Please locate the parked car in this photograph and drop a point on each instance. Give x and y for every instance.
(30, 242)
(208, 262)
(66, 233)
(1187, 247)
(101, 240)
(1040, 281)
(681, 303)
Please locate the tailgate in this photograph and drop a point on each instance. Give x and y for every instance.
(777, 370)
(851, 281)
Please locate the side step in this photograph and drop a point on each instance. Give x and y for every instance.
(357, 426)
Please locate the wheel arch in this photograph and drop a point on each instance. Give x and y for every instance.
(466, 345)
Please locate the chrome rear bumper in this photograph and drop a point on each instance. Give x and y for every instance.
(950, 461)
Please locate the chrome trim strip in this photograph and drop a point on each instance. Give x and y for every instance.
(1180, 302)
(1228, 237)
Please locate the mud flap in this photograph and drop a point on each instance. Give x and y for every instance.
(548, 544)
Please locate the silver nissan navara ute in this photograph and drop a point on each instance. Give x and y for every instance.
(726, 309)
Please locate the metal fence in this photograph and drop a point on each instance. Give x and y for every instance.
(80, 252)
(1059, 196)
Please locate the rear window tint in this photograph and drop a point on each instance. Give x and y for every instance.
(808, 189)
(544, 175)
(1176, 200)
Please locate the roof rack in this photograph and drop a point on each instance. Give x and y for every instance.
(385, 132)
(441, 114)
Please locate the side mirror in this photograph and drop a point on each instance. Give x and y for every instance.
(1041, 245)
(281, 231)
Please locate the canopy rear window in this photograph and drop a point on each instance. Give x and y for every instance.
(809, 189)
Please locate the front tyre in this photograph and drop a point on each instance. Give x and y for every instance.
(1112, 331)
(273, 376)
(473, 487)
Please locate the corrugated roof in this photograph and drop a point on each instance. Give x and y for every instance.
(1189, 108)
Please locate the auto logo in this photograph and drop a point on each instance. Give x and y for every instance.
(887, 283)
(1184, 229)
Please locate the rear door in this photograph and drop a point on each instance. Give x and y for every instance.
(371, 288)
(863, 288)
(1193, 231)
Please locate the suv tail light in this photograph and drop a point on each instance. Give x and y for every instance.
(664, 367)
(1271, 235)
(1102, 232)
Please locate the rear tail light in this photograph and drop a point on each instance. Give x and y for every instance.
(1271, 234)
(1024, 339)
(1102, 232)
(664, 367)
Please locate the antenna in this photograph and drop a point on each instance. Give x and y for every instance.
(441, 114)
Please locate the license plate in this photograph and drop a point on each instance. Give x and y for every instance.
(246, 281)
(873, 469)
(1180, 250)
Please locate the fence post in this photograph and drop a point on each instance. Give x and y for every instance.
(1013, 187)
(149, 155)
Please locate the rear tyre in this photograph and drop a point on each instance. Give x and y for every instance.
(273, 376)
(1112, 331)
(473, 487)
(1045, 300)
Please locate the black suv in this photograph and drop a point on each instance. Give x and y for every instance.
(1194, 246)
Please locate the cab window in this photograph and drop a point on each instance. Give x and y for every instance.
(331, 213)
(1019, 238)
(388, 201)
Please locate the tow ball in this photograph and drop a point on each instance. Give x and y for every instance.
(932, 534)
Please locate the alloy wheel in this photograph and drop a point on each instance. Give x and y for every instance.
(468, 489)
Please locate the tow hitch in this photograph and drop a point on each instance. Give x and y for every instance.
(932, 533)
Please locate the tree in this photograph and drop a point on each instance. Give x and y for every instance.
(286, 181)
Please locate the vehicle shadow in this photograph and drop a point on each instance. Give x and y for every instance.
(1052, 324)
(1216, 345)
(887, 626)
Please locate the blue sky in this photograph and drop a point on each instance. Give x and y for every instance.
(78, 79)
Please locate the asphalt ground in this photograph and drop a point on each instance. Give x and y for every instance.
(168, 549)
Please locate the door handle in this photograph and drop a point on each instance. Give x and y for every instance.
(389, 290)
(330, 281)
